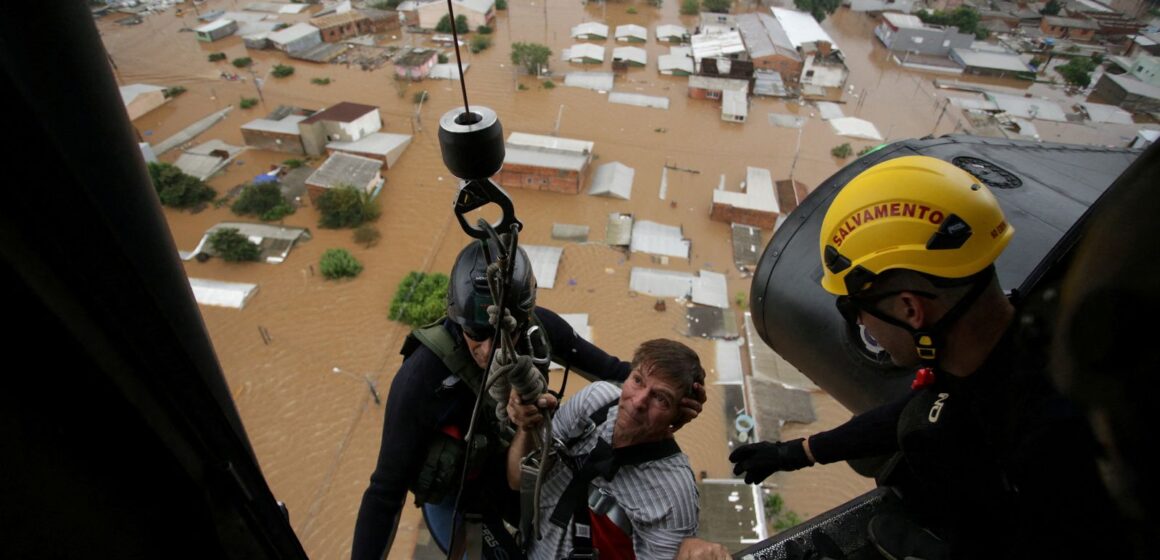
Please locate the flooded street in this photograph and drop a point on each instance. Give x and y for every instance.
(316, 434)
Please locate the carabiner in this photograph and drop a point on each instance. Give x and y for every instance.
(475, 193)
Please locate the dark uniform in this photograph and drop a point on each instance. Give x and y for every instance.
(426, 402)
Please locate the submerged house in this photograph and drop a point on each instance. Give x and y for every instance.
(584, 53)
(545, 163)
(631, 33)
(142, 98)
(343, 122)
(416, 64)
(215, 30)
(590, 31)
(757, 206)
(342, 169)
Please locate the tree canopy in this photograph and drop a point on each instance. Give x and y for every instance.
(176, 189)
(231, 245)
(461, 25)
(532, 56)
(339, 263)
(817, 8)
(965, 18)
(1051, 8)
(420, 299)
(1077, 71)
(717, 6)
(690, 7)
(345, 206)
(264, 201)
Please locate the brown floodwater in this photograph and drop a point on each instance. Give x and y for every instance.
(316, 434)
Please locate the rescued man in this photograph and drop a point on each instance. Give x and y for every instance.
(620, 485)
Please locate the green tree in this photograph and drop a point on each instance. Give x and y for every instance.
(501, 4)
(367, 235)
(176, 189)
(248, 102)
(1051, 8)
(483, 30)
(339, 263)
(388, 5)
(817, 8)
(243, 62)
(293, 163)
(282, 70)
(717, 6)
(690, 7)
(532, 56)
(420, 299)
(461, 25)
(264, 201)
(965, 18)
(480, 43)
(172, 92)
(1077, 71)
(217, 56)
(231, 245)
(320, 81)
(842, 151)
(345, 206)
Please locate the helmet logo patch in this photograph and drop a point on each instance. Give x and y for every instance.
(887, 210)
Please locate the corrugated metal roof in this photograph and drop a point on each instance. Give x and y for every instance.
(734, 104)
(589, 28)
(829, 110)
(993, 60)
(545, 263)
(596, 81)
(727, 361)
(855, 128)
(131, 91)
(718, 84)
(665, 31)
(292, 33)
(1132, 85)
(612, 179)
(710, 288)
(214, 25)
(378, 143)
(630, 54)
(524, 139)
(584, 51)
(668, 63)
(660, 283)
(786, 121)
(222, 294)
(638, 99)
(1101, 113)
(658, 239)
(801, 27)
(448, 71)
(570, 232)
(344, 112)
(763, 36)
(343, 168)
(903, 20)
(287, 125)
(631, 31)
(746, 245)
(717, 45)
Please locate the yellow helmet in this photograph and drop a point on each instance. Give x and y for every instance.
(915, 213)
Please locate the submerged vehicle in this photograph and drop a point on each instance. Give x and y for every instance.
(121, 437)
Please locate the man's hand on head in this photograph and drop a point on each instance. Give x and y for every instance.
(528, 417)
(691, 406)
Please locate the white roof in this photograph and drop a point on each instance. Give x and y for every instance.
(759, 193)
(727, 359)
(598, 81)
(201, 166)
(734, 103)
(288, 124)
(550, 142)
(824, 75)
(447, 71)
(584, 51)
(1106, 113)
(681, 51)
(855, 128)
(991, 59)
(547, 151)
(292, 33)
(638, 99)
(666, 30)
(715, 83)
(829, 110)
(630, 54)
(613, 179)
(629, 30)
(385, 144)
(660, 283)
(903, 20)
(545, 263)
(1090, 6)
(214, 25)
(711, 289)
(671, 62)
(131, 91)
(590, 28)
(1148, 134)
(717, 45)
(1019, 106)
(786, 121)
(976, 104)
(658, 239)
(221, 294)
(481, 6)
(347, 169)
(801, 27)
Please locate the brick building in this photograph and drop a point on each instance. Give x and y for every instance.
(545, 163)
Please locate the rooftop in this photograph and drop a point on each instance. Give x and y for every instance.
(337, 19)
(379, 143)
(346, 169)
(715, 83)
(416, 57)
(993, 60)
(903, 20)
(547, 151)
(1134, 86)
(345, 111)
(630, 54)
(287, 125)
(596, 81)
(131, 91)
(613, 179)
(717, 45)
(666, 30)
(214, 25)
(584, 51)
(758, 193)
(673, 62)
(801, 27)
(631, 30)
(763, 36)
(293, 33)
(1070, 22)
(590, 28)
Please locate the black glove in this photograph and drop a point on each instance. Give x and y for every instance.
(759, 460)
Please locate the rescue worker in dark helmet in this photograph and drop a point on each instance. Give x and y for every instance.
(430, 404)
(994, 462)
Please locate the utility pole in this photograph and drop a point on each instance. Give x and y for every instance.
(940, 115)
(797, 150)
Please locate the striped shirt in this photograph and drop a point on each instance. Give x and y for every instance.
(659, 497)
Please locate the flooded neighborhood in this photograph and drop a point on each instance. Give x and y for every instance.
(655, 143)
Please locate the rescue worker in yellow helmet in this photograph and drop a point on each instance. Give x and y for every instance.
(992, 458)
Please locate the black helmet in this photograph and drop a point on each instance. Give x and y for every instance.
(468, 295)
